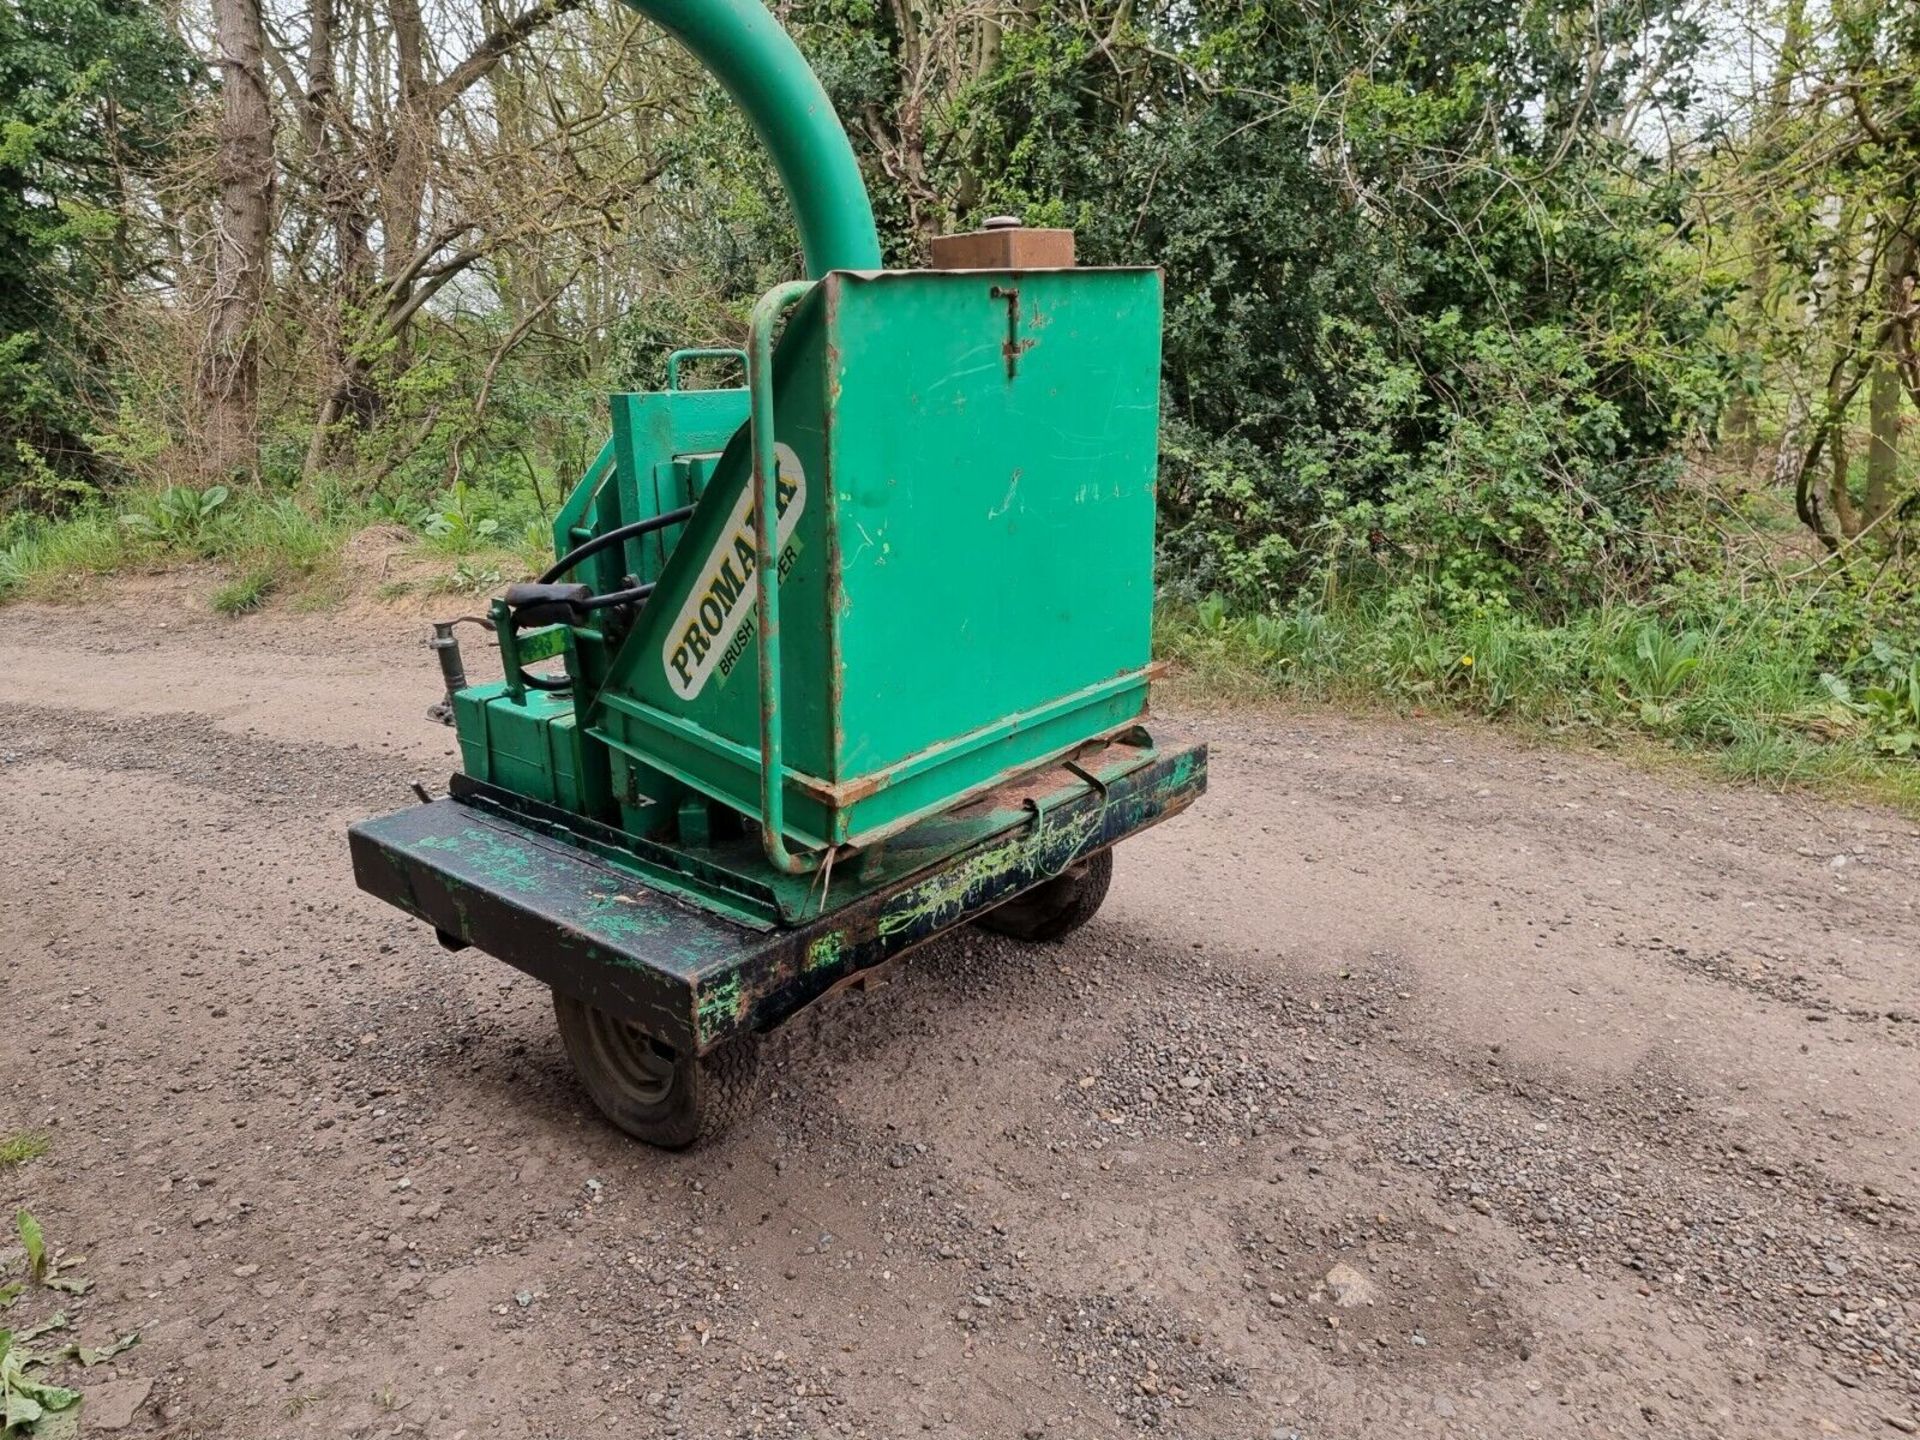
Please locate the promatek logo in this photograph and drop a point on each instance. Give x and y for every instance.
(716, 625)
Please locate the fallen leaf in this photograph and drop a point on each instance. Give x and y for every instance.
(22, 1410)
(91, 1357)
(34, 1332)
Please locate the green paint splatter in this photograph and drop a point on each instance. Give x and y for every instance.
(825, 951)
(627, 919)
(947, 894)
(502, 862)
(719, 1008)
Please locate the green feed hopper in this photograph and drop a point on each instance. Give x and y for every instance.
(851, 654)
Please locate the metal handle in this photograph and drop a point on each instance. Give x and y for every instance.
(764, 478)
(673, 361)
(1038, 830)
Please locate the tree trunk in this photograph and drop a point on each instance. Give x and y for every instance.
(1791, 467)
(1883, 443)
(386, 162)
(346, 392)
(1846, 516)
(230, 362)
(403, 186)
(1884, 396)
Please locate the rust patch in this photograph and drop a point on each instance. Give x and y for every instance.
(1014, 347)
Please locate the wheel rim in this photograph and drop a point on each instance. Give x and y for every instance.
(643, 1065)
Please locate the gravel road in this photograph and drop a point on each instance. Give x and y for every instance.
(1417, 1082)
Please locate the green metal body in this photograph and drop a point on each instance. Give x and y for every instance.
(894, 662)
(966, 572)
(962, 467)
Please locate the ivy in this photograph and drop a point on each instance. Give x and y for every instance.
(90, 91)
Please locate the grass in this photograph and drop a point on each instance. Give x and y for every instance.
(43, 560)
(247, 592)
(18, 1149)
(267, 543)
(272, 547)
(1737, 693)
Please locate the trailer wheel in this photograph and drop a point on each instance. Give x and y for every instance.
(1055, 908)
(654, 1093)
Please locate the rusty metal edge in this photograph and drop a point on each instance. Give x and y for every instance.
(791, 969)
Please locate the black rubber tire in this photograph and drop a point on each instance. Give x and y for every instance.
(653, 1093)
(1054, 909)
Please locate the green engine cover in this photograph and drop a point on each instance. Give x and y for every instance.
(527, 746)
(967, 464)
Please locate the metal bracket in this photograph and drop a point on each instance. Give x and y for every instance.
(1014, 347)
(1094, 782)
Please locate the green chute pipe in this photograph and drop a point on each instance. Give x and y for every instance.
(764, 71)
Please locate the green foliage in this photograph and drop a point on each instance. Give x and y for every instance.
(1657, 668)
(25, 1398)
(1882, 689)
(29, 1403)
(90, 95)
(491, 536)
(1425, 317)
(458, 524)
(176, 516)
(269, 543)
(271, 546)
(281, 531)
(1750, 685)
(247, 592)
(33, 1241)
(37, 555)
(18, 1149)
(37, 485)
(469, 577)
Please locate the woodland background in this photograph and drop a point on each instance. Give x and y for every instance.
(1552, 359)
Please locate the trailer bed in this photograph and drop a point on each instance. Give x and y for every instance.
(606, 925)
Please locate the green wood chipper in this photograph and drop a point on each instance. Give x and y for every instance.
(853, 653)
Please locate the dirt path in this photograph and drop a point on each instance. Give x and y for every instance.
(1604, 1086)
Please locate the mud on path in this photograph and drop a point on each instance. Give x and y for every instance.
(1591, 1094)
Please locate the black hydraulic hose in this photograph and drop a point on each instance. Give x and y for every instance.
(617, 597)
(613, 597)
(613, 537)
(598, 602)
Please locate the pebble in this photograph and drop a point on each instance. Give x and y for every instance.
(1349, 1287)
